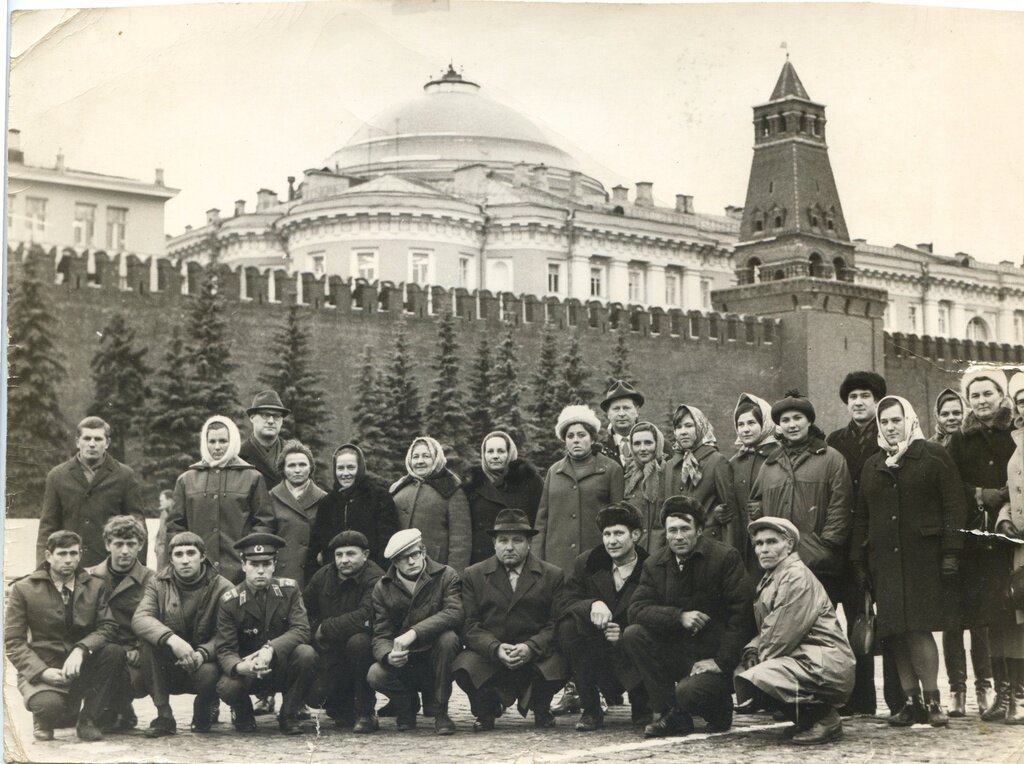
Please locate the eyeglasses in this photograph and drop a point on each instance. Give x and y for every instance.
(270, 414)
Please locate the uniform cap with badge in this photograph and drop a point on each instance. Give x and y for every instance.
(257, 547)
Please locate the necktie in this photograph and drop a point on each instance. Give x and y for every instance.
(69, 613)
(513, 579)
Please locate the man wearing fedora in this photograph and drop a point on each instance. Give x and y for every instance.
(512, 602)
(417, 617)
(262, 449)
(263, 638)
(621, 404)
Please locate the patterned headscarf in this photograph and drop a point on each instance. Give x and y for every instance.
(636, 473)
(436, 454)
(513, 454)
(234, 442)
(705, 435)
(911, 430)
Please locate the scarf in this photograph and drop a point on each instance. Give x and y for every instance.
(234, 442)
(949, 394)
(767, 425)
(436, 454)
(911, 431)
(638, 474)
(689, 464)
(513, 454)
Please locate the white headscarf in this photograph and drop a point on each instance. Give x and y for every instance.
(439, 460)
(911, 430)
(234, 442)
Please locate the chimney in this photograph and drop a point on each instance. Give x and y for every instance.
(212, 216)
(620, 195)
(159, 176)
(265, 199)
(540, 177)
(291, 188)
(60, 161)
(684, 203)
(239, 207)
(574, 183)
(644, 193)
(925, 247)
(734, 212)
(14, 152)
(520, 174)
(188, 229)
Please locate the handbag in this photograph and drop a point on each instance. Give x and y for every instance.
(862, 634)
(1015, 589)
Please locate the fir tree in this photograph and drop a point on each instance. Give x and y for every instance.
(289, 371)
(574, 376)
(37, 436)
(120, 375)
(545, 447)
(446, 416)
(618, 364)
(172, 421)
(402, 420)
(480, 393)
(208, 353)
(368, 416)
(506, 413)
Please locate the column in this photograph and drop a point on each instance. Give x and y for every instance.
(618, 281)
(579, 278)
(957, 322)
(655, 284)
(930, 317)
(1004, 321)
(691, 289)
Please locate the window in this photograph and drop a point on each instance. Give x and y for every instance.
(366, 266)
(117, 222)
(977, 330)
(85, 224)
(316, 260)
(499, 276)
(705, 294)
(778, 221)
(1018, 327)
(597, 281)
(35, 216)
(554, 278)
(671, 289)
(758, 225)
(419, 268)
(943, 319)
(466, 272)
(10, 211)
(912, 319)
(637, 287)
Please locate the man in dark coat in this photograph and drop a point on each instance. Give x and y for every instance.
(622, 403)
(176, 622)
(125, 578)
(61, 637)
(417, 617)
(262, 638)
(87, 490)
(339, 601)
(262, 449)
(690, 618)
(512, 603)
(598, 596)
(857, 442)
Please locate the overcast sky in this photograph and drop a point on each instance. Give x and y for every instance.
(925, 105)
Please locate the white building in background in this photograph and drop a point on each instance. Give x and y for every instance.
(455, 189)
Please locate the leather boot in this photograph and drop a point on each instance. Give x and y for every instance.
(443, 724)
(985, 695)
(824, 731)
(569, 703)
(997, 711)
(913, 712)
(957, 704)
(1015, 711)
(936, 713)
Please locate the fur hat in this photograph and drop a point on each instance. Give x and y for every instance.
(620, 513)
(677, 506)
(794, 401)
(863, 380)
(577, 414)
(995, 375)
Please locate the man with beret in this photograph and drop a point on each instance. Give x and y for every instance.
(176, 623)
(417, 617)
(262, 449)
(339, 601)
(598, 596)
(621, 404)
(512, 603)
(689, 620)
(262, 638)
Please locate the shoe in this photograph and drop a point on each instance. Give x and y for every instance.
(430, 706)
(793, 729)
(716, 728)
(443, 724)
(985, 695)
(672, 723)
(244, 722)
(289, 725)
(957, 704)
(913, 712)
(41, 733)
(589, 722)
(344, 720)
(997, 711)
(305, 714)
(202, 715)
(569, 702)
(748, 706)
(936, 714)
(128, 720)
(824, 731)
(364, 724)
(484, 723)
(215, 713)
(88, 731)
(405, 721)
(543, 718)
(264, 705)
(200, 725)
(161, 726)
(780, 716)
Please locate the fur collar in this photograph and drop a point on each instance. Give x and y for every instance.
(519, 472)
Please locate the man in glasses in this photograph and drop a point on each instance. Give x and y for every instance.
(262, 449)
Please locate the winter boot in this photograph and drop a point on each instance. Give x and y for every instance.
(997, 711)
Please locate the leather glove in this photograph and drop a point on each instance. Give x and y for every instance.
(1007, 528)
(950, 569)
(861, 576)
(994, 498)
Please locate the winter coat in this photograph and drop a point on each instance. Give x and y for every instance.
(653, 537)
(906, 519)
(573, 495)
(159, 614)
(816, 496)
(715, 487)
(433, 607)
(1013, 510)
(713, 581)
(521, 488)
(35, 635)
(295, 518)
(72, 503)
(366, 507)
(856, 446)
(338, 609)
(250, 453)
(440, 511)
(124, 599)
(221, 504)
(495, 615)
(801, 650)
(592, 581)
(244, 625)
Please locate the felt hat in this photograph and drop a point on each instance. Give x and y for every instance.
(267, 399)
(621, 389)
(512, 521)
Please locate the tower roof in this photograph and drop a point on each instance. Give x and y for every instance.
(789, 85)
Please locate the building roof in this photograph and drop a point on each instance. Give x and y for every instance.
(84, 179)
(789, 85)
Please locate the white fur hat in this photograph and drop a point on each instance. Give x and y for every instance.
(997, 375)
(577, 414)
(1016, 385)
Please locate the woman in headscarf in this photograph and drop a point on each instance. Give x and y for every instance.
(698, 470)
(296, 500)
(906, 549)
(1010, 522)
(645, 481)
(981, 452)
(950, 408)
(576, 488)
(501, 481)
(428, 498)
(355, 503)
(221, 498)
(755, 440)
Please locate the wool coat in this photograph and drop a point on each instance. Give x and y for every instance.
(1013, 510)
(366, 507)
(337, 608)
(251, 453)
(124, 598)
(713, 581)
(520, 488)
(244, 625)
(495, 615)
(295, 517)
(653, 538)
(72, 503)
(573, 495)
(906, 519)
(432, 608)
(438, 508)
(221, 504)
(857, 445)
(813, 492)
(715, 487)
(159, 615)
(802, 652)
(36, 636)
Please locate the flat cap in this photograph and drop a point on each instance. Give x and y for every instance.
(780, 524)
(401, 542)
(348, 538)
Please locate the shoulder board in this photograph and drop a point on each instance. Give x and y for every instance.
(287, 582)
(230, 594)
(277, 590)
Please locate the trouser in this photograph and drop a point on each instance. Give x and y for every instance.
(956, 659)
(340, 686)
(527, 684)
(167, 678)
(92, 690)
(804, 715)
(290, 674)
(598, 666)
(132, 682)
(428, 671)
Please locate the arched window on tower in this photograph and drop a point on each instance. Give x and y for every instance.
(753, 274)
(842, 272)
(977, 330)
(779, 275)
(766, 128)
(803, 123)
(816, 269)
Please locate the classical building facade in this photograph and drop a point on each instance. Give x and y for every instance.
(457, 190)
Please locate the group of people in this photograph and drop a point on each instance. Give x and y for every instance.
(700, 585)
